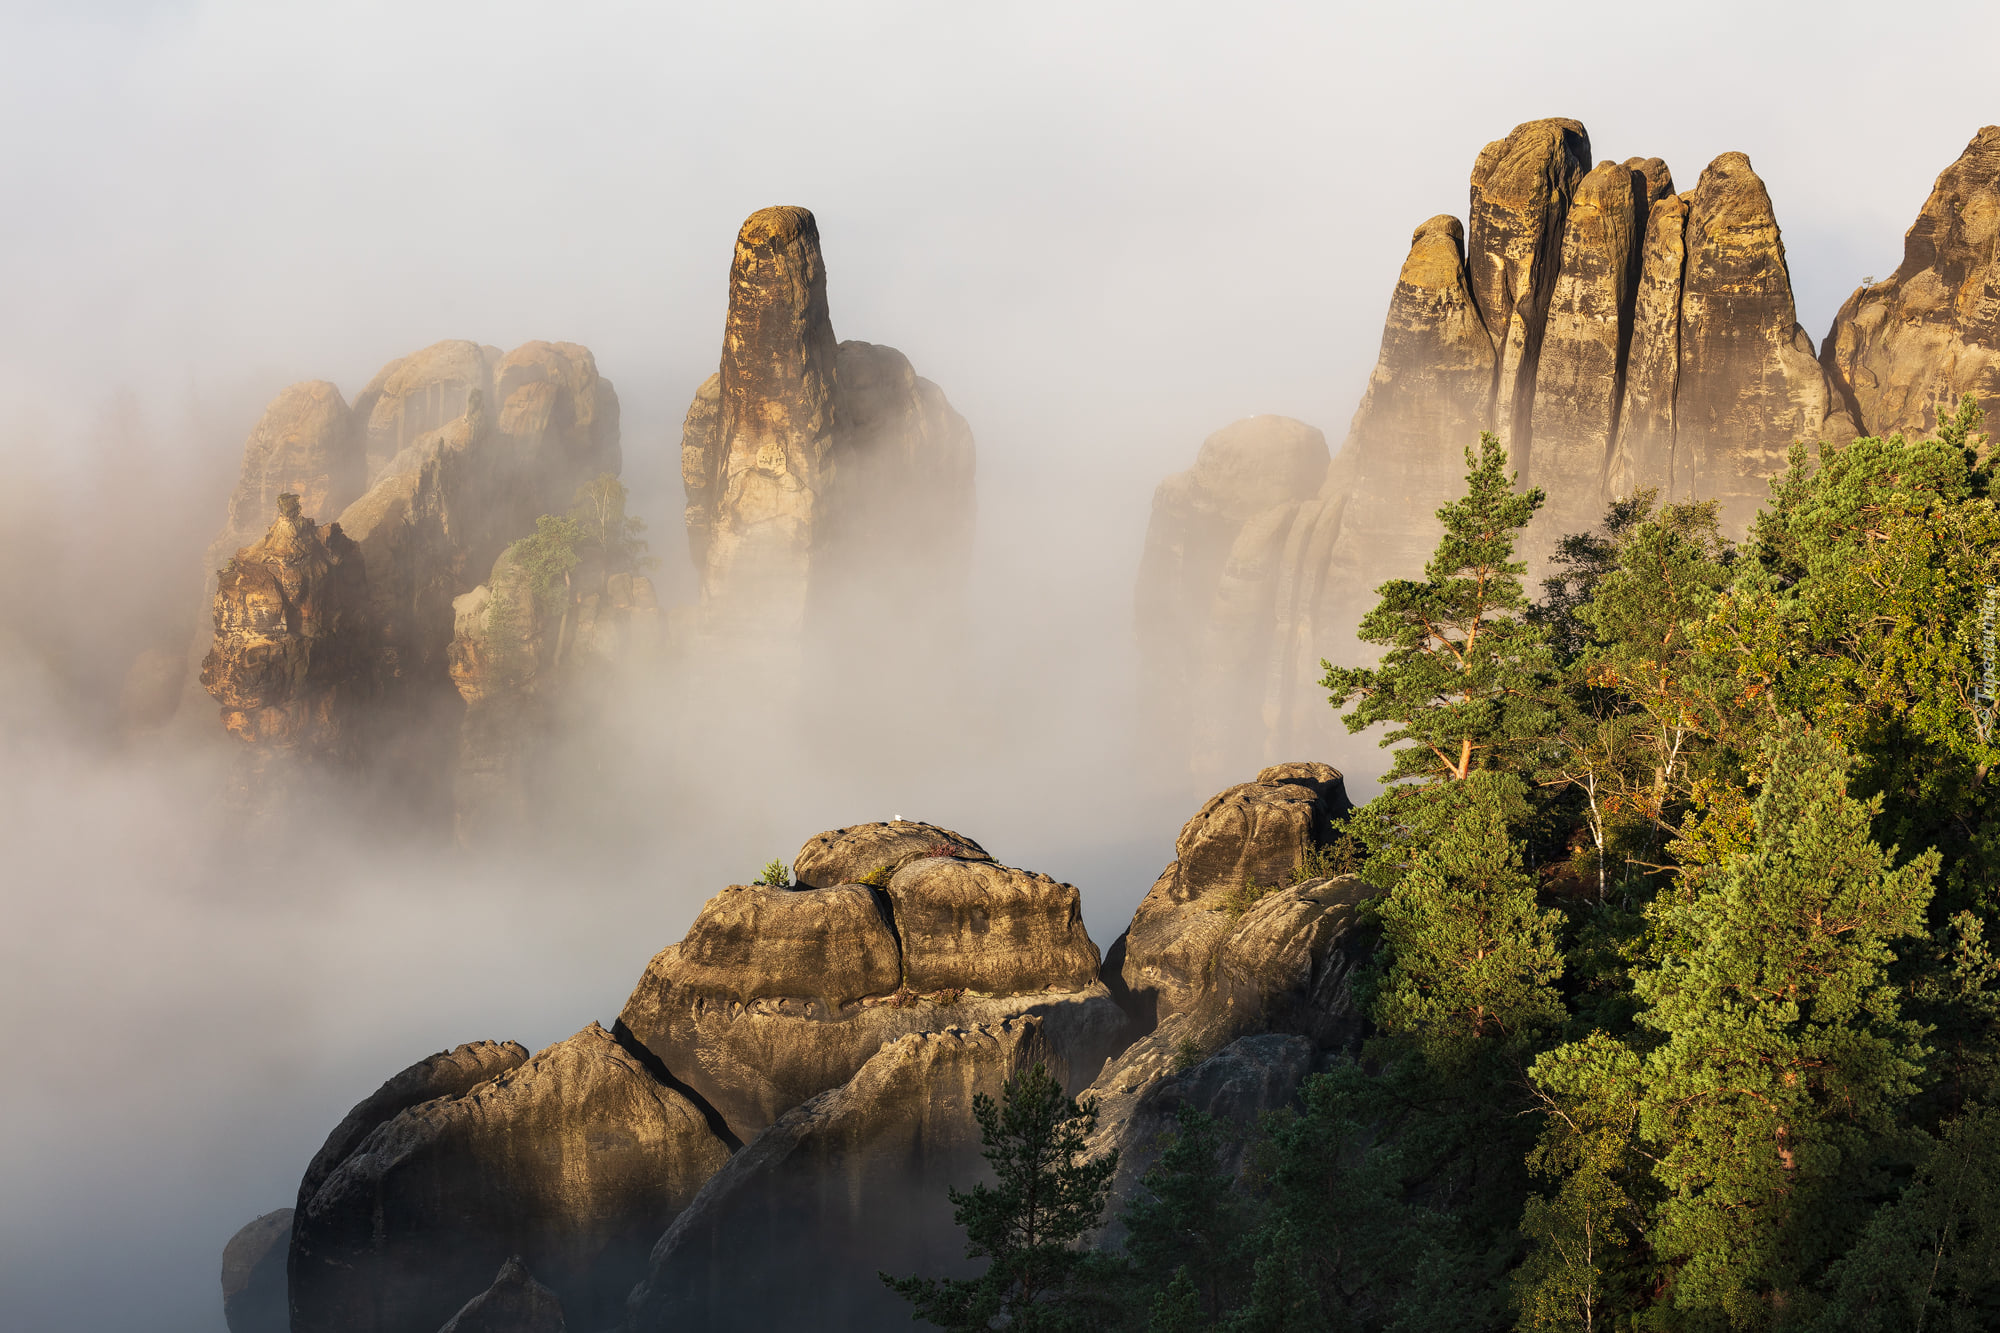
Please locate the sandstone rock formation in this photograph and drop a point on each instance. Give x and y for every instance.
(575, 1161)
(1905, 349)
(1192, 944)
(853, 1182)
(469, 448)
(306, 445)
(509, 653)
(515, 1303)
(416, 394)
(1612, 333)
(1209, 581)
(253, 1276)
(810, 465)
(293, 640)
(776, 995)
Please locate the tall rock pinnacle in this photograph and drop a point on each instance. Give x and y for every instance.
(1906, 348)
(1521, 190)
(817, 474)
(1749, 383)
(775, 420)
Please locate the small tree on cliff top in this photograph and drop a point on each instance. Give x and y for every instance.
(1045, 1198)
(1463, 677)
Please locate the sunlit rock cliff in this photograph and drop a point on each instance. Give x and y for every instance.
(826, 481)
(1613, 333)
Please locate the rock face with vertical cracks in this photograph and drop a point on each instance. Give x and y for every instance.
(1580, 375)
(575, 1161)
(1749, 383)
(1207, 584)
(1246, 840)
(292, 655)
(790, 1233)
(1908, 348)
(776, 995)
(1614, 334)
(816, 472)
(416, 394)
(1521, 190)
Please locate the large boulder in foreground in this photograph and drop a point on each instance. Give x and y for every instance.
(1235, 861)
(790, 1233)
(253, 1276)
(776, 994)
(575, 1161)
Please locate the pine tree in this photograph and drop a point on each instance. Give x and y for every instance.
(1186, 1222)
(1046, 1196)
(1772, 1057)
(1463, 678)
(1472, 959)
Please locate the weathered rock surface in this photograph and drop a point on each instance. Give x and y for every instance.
(851, 855)
(1140, 1094)
(575, 1161)
(852, 1182)
(1906, 348)
(451, 1073)
(776, 995)
(1579, 377)
(515, 1303)
(1613, 333)
(253, 1276)
(1521, 190)
(419, 393)
(1749, 382)
(813, 470)
(306, 444)
(976, 926)
(292, 656)
(1249, 837)
(1206, 584)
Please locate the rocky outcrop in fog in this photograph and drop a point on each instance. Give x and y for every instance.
(515, 1303)
(812, 466)
(787, 1096)
(293, 642)
(468, 448)
(1905, 349)
(1613, 333)
(305, 445)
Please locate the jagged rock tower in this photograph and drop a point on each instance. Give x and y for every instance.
(825, 480)
(1614, 334)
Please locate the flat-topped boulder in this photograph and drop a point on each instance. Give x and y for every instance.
(777, 994)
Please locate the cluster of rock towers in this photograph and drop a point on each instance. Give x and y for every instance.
(1616, 335)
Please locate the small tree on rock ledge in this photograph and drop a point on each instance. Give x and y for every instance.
(1045, 1198)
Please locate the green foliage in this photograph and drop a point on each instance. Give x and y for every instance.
(777, 875)
(1186, 1227)
(1342, 856)
(1772, 1058)
(1045, 1198)
(1471, 958)
(545, 558)
(879, 877)
(1187, 1054)
(599, 508)
(1462, 680)
(1240, 899)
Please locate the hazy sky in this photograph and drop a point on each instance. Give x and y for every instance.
(1104, 230)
